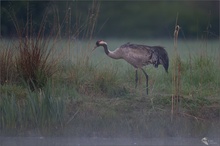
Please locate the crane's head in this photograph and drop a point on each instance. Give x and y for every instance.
(100, 43)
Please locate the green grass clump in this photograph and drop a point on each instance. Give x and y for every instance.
(89, 79)
(200, 76)
(31, 110)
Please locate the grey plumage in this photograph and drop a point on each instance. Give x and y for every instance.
(144, 55)
(138, 56)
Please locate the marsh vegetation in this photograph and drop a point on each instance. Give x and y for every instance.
(49, 82)
(94, 86)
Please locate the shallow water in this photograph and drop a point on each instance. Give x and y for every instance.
(179, 132)
(71, 141)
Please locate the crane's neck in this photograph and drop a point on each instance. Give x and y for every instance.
(113, 54)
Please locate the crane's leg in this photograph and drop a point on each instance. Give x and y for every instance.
(136, 78)
(146, 80)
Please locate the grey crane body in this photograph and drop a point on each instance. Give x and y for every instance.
(138, 56)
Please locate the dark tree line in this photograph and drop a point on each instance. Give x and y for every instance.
(117, 18)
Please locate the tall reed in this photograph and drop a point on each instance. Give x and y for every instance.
(176, 76)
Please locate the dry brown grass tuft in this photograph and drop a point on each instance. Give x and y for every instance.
(33, 63)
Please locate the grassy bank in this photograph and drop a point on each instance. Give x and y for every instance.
(95, 85)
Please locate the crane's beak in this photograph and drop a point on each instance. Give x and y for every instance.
(94, 48)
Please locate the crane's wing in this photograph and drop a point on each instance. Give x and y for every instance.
(136, 55)
(141, 55)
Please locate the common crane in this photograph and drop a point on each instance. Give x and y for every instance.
(138, 56)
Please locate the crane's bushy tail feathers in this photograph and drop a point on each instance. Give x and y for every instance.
(162, 57)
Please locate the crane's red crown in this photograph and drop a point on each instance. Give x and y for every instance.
(100, 42)
(97, 43)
